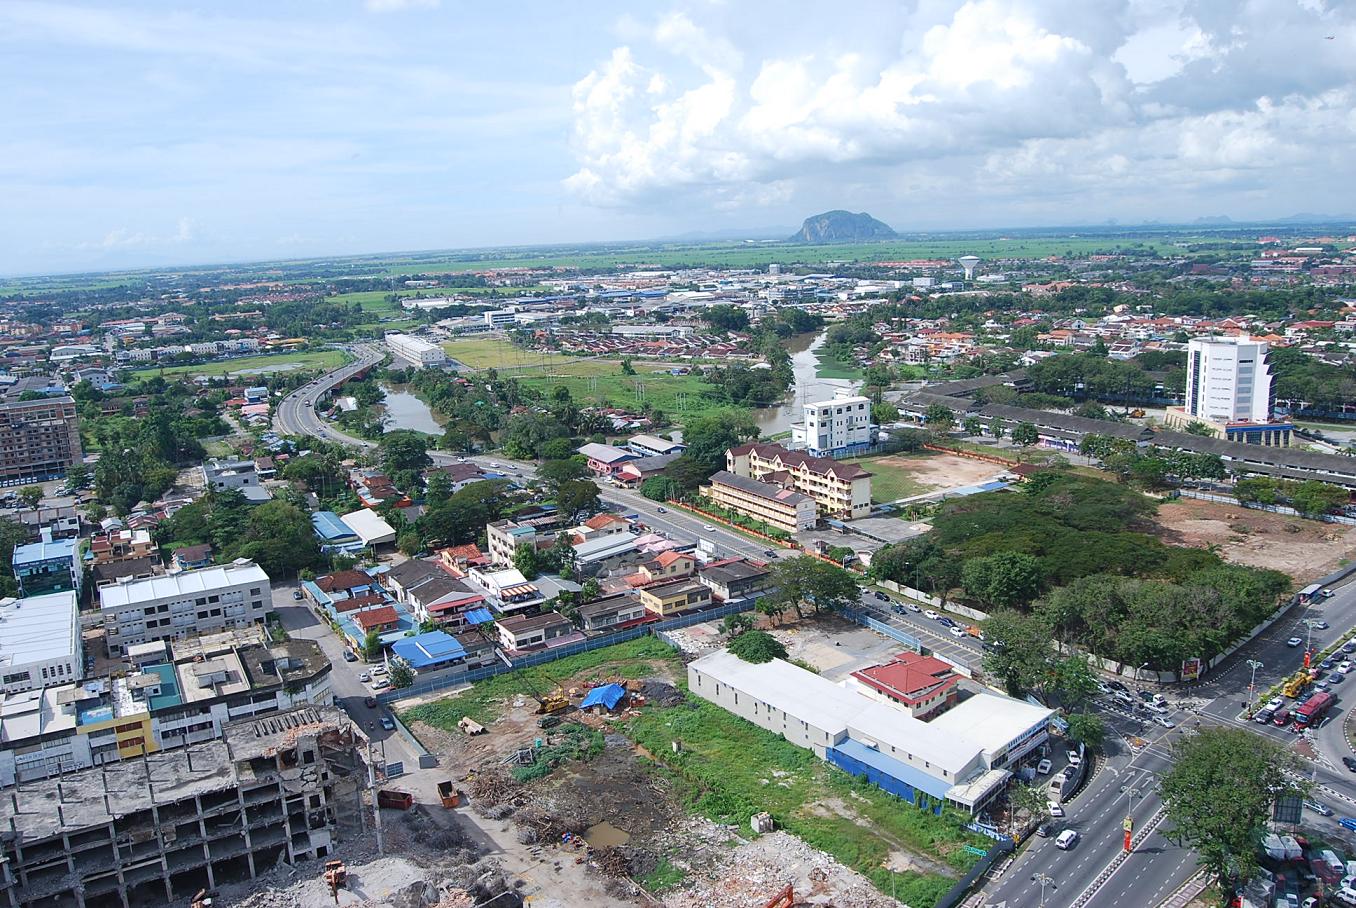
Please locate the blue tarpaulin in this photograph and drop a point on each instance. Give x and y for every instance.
(479, 616)
(608, 695)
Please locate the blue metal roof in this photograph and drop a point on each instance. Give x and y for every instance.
(479, 616)
(429, 649)
(329, 527)
(36, 552)
(914, 778)
(608, 695)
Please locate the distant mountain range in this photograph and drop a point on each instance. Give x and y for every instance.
(841, 227)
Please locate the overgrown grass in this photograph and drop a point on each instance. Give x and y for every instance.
(729, 769)
(578, 742)
(487, 700)
(829, 366)
(663, 878)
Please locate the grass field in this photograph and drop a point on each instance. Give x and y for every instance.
(890, 482)
(310, 359)
(497, 353)
(595, 382)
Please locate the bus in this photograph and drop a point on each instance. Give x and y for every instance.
(1312, 709)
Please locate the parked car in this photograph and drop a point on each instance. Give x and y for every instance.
(1344, 666)
(913, 608)
(898, 609)
(1281, 718)
(349, 656)
(768, 553)
(1275, 703)
(947, 622)
(1066, 839)
(365, 677)
(1045, 829)
(1322, 810)
(370, 702)
(1043, 767)
(956, 631)
(1349, 647)
(1074, 758)
(1263, 715)
(1116, 685)
(931, 614)
(1320, 625)
(1054, 809)
(1327, 663)
(296, 594)
(882, 597)
(1294, 641)
(1336, 678)
(1349, 763)
(388, 723)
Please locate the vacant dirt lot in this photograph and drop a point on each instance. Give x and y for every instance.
(902, 476)
(1304, 549)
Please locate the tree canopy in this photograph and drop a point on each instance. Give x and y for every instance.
(757, 646)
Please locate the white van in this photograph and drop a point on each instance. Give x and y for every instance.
(1066, 840)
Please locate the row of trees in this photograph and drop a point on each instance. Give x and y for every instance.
(277, 535)
(1310, 497)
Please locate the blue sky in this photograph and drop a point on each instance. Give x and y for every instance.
(163, 133)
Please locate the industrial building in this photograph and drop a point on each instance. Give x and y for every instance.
(415, 351)
(152, 830)
(835, 428)
(48, 566)
(778, 507)
(959, 758)
(41, 439)
(1229, 390)
(183, 603)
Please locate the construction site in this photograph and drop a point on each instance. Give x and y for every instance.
(164, 826)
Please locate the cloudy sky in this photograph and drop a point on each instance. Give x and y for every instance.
(167, 132)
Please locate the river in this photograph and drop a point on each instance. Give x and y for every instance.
(809, 387)
(402, 410)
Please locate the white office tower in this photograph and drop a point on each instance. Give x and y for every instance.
(1228, 380)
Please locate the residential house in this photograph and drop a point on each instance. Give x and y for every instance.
(634, 472)
(429, 652)
(666, 566)
(654, 446)
(604, 460)
(505, 591)
(614, 612)
(129, 568)
(599, 526)
(192, 557)
(458, 559)
(669, 599)
(505, 536)
(381, 619)
(520, 633)
(735, 578)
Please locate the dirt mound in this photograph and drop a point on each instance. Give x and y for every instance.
(658, 692)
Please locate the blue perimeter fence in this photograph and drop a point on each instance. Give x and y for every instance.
(445, 680)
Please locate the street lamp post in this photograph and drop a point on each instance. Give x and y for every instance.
(1309, 637)
(1252, 682)
(1140, 669)
(1044, 880)
(1129, 824)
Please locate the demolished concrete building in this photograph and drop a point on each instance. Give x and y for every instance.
(276, 789)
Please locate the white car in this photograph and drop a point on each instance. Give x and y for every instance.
(1074, 758)
(1293, 642)
(365, 677)
(1043, 767)
(1066, 840)
(707, 527)
(911, 607)
(1164, 721)
(931, 614)
(1275, 703)
(956, 632)
(1344, 666)
(1054, 809)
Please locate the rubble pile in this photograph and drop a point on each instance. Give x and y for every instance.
(658, 692)
(493, 787)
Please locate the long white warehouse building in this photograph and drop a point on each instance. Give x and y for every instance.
(959, 758)
(415, 350)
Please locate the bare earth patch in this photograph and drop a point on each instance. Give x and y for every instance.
(1304, 549)
(938, 471)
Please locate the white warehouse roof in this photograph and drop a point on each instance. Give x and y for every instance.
(992, 721)
(785, 687)
(369, 526)
(181, 583)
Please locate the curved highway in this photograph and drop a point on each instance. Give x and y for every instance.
(296, 413)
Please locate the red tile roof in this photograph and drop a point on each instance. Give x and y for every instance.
(795, 460)
(909, 676)
(375, 617)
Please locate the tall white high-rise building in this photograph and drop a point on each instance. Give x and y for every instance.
(1228, 380)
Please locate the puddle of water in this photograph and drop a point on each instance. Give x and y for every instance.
(605, 835)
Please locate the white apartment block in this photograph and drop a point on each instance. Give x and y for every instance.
(836, 427)
(415, 350)
(40, 643)
(1228, 380)
(183, 603)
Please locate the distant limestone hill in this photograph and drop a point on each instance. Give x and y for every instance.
(842, 227)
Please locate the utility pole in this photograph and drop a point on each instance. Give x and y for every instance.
(1129, 825)
(372, 787)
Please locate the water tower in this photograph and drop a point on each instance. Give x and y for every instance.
(968, 262)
